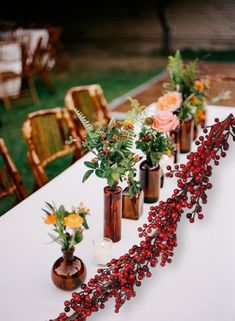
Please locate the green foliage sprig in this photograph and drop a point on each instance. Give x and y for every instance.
(151, 142)
(184, 80)
(111, 145)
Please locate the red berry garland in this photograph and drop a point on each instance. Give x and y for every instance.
(120, 277)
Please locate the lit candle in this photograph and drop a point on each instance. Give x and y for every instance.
(102, 250)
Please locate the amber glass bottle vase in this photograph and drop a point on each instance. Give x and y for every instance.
(112, 212)
(68, 272)
(132, 208)
(186, 135)
(150, 180)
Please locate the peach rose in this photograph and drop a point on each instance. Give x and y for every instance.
(164, 121)
(170, 101)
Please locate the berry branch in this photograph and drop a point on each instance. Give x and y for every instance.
(120, 276)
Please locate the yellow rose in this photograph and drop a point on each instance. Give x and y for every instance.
(51, 219)
(73, 221)
(169, 152)
(128, 122)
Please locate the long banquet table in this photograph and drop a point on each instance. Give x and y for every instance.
(199, 285)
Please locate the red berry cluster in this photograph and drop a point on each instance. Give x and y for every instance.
(193, 178)
(121, 276)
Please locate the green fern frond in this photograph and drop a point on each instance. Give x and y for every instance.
(190, 73)
(176, 67)
(131, 138)
(137, 111)
(86, 124)
(136, 108)
(112, 121)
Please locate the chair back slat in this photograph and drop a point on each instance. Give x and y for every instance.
(84, 103)
(46, 136)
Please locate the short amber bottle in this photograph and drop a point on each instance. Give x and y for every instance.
(132, 208)
(68, 272)
(150, 181)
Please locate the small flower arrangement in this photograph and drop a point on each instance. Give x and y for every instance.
(111, 145)
(185, 94)
(154, 140)
(68, 225)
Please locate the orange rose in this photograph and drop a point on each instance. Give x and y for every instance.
(73, 221)
(51, 219)
(136, 158)
(194, 100)
(165, 121)
(198, 85)
(201, 116)
(170, 101)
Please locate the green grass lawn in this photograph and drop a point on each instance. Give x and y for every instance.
(114, 82)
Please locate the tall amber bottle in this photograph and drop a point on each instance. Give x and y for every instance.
(112, 212)
(186, 135)
(174, 136)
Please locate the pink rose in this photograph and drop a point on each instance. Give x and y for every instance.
(164, 121)
(170, 101)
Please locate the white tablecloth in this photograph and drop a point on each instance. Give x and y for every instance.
(10, 61)
(34, 35)
(11, 56)
(198, 286)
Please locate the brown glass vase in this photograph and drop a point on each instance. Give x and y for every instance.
(174, 136)
(186, 135)
(150, 181)
(112, 212)
(132, 208)
(68, 272)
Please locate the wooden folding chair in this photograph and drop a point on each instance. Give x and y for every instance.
(45, 132)
(16, 70)
(42, 61)
(10, 180)
(218, 85)
(90, 101)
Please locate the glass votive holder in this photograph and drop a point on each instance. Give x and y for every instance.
(102, 250)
